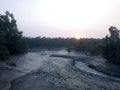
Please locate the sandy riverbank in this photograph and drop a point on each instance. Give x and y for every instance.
(96, 65)
(42, 72)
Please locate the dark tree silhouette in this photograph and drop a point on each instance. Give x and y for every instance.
(44, 42)
(90, 45)
(10, 37)
(112, 46)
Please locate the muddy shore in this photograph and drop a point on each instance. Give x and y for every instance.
(39, 71)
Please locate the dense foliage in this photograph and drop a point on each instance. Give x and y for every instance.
(112, 46)
(11, 40)
(90, 46)
(43, 42)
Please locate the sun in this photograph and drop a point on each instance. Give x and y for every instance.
(77, 37)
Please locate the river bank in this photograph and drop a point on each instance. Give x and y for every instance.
(40, 71)
(106, 67)
(94, 64)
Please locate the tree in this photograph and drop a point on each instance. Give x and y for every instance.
(111, 51)
(10, 37)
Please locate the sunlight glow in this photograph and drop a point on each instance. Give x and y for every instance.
(77, 37)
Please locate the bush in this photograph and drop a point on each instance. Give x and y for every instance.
(3, 52)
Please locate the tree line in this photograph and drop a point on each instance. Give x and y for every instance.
(46, 42)
(88, 45)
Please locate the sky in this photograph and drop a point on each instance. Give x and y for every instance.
(64, 18)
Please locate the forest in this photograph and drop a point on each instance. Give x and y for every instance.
(90, 45)
(47, 42)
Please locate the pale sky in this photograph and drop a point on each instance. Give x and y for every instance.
(64, 18)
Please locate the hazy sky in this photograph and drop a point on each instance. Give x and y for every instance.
(64, 18)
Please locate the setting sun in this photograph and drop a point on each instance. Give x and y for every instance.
(77, 37)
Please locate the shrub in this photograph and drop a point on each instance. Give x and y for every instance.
(3, 52)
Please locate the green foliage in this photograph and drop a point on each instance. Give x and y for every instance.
(3, 52)
(43, 42)
(10, 37)
(90, 45)
(111, 50)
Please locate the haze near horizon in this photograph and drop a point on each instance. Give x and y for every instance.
(64, 18)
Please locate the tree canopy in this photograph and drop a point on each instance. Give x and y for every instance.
(112, 46)
(11, 40)
(90, 45)
(45, 42)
